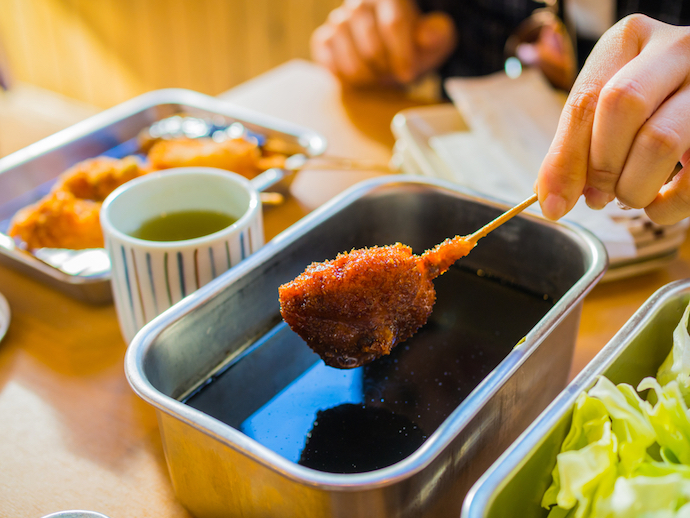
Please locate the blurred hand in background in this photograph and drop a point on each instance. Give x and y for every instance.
(542, 41)
(366, 42)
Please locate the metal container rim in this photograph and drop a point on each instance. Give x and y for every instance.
(445, 433)
(148, 100)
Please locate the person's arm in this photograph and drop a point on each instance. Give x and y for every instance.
(625, 126)
(366, 42)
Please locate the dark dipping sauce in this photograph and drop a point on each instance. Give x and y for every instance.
(358, 420)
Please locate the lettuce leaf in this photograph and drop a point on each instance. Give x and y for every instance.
(587, 426)
(587, 473)
(629, 422)
(676, 366)
(669, 417)
(645, 496)
(624, 456)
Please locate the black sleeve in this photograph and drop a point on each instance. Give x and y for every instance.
(483, 26)
(676, 12)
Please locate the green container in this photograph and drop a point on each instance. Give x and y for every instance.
(513, 486)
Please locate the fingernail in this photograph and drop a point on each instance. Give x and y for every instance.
(596, 199)
(554, 206)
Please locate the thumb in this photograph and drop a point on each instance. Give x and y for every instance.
(435, 39)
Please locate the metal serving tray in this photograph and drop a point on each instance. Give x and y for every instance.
(515, 484)
(229, 335)
(28, 174)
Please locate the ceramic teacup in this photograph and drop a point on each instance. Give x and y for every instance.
(150, 276)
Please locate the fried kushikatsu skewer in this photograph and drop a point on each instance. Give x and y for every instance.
(358, 306)
(68, 217)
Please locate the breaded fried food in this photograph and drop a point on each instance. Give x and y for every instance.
(68, 217)
(237, 155)
(59, 220)
(96, 178)
(358, 306)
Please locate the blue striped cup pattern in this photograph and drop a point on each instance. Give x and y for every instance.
(148, 277)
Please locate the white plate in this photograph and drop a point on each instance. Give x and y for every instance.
(4, 316)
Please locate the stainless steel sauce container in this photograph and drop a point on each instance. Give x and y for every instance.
(218, 471)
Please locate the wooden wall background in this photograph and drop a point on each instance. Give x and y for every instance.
(103, 52)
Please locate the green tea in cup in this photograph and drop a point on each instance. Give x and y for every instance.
(182, 225)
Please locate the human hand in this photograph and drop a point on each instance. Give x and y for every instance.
(542, 41)
(365, 42)
(625, 126)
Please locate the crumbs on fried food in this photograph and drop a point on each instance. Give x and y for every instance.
(59, 220)
(237, 155)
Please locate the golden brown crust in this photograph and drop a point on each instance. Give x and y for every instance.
(357, 307)
(68, 217)
(59, 220)
(95, 178)
(237, 155)
(437, 260)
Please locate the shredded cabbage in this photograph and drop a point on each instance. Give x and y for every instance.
(625, 457)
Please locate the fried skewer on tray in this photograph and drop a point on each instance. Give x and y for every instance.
(68, 217)
(358, 306)
(236, 155)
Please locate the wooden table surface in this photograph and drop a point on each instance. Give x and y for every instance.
(72, 433)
